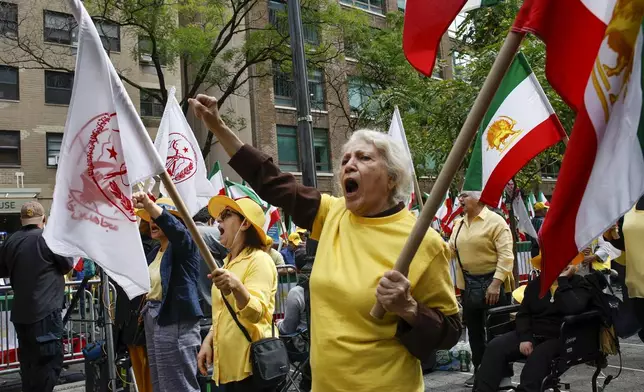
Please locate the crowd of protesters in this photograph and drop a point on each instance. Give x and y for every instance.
(195, 323)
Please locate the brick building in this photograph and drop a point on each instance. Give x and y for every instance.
(34, 102)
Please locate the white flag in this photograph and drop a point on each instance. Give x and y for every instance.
(397, 132)
(524, 224)
(105, 150)
(178, 147)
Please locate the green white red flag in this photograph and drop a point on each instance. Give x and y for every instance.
(542, 199)
(216, 178)
(240, 191)
(519, 124)
(600, 74)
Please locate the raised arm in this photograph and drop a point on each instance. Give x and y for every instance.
(277, 188)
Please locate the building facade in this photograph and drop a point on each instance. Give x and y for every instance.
(34, 100)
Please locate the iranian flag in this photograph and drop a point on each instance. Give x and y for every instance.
(476, 4)
(217, 179)
(519, 124)
(240, 191)
(605, 151)
(426, 21)
(443, 213)
(542, 199)
(531, 201)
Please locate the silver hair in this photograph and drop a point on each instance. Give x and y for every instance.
(396, 159)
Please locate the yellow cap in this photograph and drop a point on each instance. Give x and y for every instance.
(295, 239)
(540, 206)
(245, 207)
(268, 241)
(300, 230)
(165, 203)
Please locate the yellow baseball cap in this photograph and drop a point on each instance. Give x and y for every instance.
(538, 206)
(295, 238)
(165, 203)
(245, 207)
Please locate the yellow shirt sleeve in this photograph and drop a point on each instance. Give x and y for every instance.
(435, 288)
(320, 217)
(260, 281)
(505, 255)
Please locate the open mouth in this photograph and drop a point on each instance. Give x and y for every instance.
(154, 229)
(350, 187)
(221, 230)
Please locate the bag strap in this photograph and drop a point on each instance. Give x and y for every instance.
(232, 313)
(458, 257)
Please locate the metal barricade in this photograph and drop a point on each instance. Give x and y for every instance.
(286, 280)
(83, 327)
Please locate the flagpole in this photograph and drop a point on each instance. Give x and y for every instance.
(187, 219)
(452, 164)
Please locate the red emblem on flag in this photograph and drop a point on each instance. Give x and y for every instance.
(181, 162)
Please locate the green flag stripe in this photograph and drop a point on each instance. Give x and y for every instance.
(640, 130)
(215, 169)
(474, 175)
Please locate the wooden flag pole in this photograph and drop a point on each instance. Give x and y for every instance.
(455, 158)
(187, 219)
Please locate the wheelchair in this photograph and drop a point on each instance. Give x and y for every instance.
(298, 349)
(579, 339)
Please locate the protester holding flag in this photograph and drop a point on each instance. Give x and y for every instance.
(482, 244)
(172, 311)
(245, 287)
(360, 236)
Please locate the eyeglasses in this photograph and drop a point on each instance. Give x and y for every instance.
(226, 213)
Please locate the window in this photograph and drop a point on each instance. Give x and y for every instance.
(10, 148)
(145, 52)
(284, 88)
(110, 35)
(456, 24)
(288, 153)
(369, 5)
(321, 150)
(60, 28)
(401, 4)
(360, 95)
(9, 86)
(288, 150)
(8, 20)
(54, 141)
(58, 87)
(460, 61)
(316, 89)
(278, 17)
(150, 106)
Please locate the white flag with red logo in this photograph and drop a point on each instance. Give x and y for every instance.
(105, 150)
(177, 145)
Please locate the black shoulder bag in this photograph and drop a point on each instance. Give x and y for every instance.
(475, 285)
(268, 357)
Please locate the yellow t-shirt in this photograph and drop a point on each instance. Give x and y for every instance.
(156, 289)
(350, 350)
(633, 230)
(484, 245)
(231, 350)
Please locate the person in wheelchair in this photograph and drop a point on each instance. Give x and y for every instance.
(536, 338)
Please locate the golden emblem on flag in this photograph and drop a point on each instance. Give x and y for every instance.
(620, 37)
(501, 133)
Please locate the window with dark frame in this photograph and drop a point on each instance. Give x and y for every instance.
(150, 106)
(9, 83)
(9, 148)
(367, 5)
(278, 17)
(284, 88)
(145, 52)
(360, 95)
(54, 141)
(8, 19)
(60, 28)
(58, 87)
(288, 151)
(110, 34)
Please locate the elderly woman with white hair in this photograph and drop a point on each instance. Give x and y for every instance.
(360, 236)
(481, 242)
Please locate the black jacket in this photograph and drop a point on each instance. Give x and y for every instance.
(539, 317)
(37, 275)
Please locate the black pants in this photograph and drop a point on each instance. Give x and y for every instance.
(474, 320)
(245, 385)
(505, 349)
(638, 308)
(40, 353)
